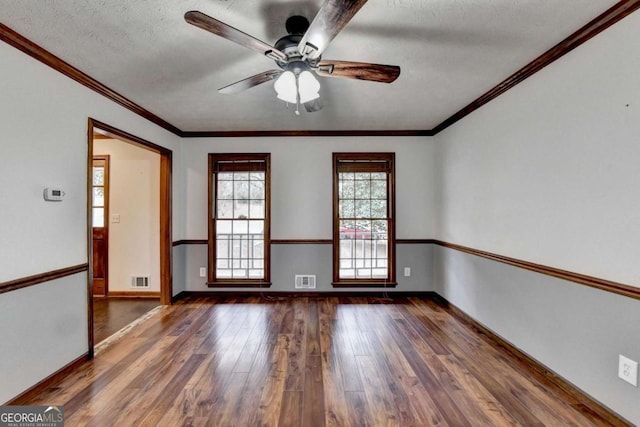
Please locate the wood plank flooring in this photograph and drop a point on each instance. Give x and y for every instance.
(348, 361)
(112, 314)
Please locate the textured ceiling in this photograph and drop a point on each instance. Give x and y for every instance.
(450, 53)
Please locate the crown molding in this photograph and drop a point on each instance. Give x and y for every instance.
(590, 30)
(594, 27)
(30, 48)
(254, 134)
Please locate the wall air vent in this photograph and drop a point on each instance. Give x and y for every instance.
(305, 281)
(140, 282)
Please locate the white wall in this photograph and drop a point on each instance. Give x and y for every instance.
(549, 171)
(43, 118)
(301, 182)
(134, 195)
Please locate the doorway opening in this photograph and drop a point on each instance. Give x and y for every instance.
(129, 221)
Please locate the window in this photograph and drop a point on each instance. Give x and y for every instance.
(99, 190)
(363, 219)
(239, 219)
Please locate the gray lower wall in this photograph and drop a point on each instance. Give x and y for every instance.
(178, 268)
(287, 260)
(576, 331)
(44, 328)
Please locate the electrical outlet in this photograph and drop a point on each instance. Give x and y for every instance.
(407, 272)
(203, 272)
(628, 370)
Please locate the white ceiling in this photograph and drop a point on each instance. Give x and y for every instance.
(450, 53)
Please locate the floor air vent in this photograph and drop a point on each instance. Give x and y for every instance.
(140, 282)
(305, 281)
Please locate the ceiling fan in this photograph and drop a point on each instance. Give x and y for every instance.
(299, 54)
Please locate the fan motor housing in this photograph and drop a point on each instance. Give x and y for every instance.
(297, 24)
(289, 46)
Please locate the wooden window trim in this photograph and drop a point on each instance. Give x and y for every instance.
(371, 162)
(223, 162)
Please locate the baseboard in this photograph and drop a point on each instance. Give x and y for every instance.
(134, 294)
(289, 294)
(585, 402)
(39, 388)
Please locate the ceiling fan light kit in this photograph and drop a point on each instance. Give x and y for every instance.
(298, 54)
(286, 87)
(308, 87)
(297, 86)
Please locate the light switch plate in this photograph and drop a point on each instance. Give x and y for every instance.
(115, 218)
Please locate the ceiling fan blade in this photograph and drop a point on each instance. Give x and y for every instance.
(358, 70)
(221, 29)
(331, 18)
(313, 106)
(250, 82)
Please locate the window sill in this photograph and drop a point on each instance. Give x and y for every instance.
(364, 284)
(238, 284)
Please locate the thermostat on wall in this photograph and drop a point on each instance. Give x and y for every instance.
(53, 194)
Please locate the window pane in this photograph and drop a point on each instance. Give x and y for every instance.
(347, 229)
(256, 227)
(363, 208)
(363, 176)
(223, 227)
(98, 196)
(225, 209)
(378, 175)
(347, 188)
(347, 209)
(379, 189)
(225, 190)
(256, 209)
(379, 229)
(256, 190)
(241, 190)
(223, 251)
(363, 189)
(378, 209)
(240, 227)
(257, 253)
(98, 217)
(363, 229)
(256, 273)
(241, 176)
(98, 175)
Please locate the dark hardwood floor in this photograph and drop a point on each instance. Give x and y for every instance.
(112, 314)
(247, 361)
